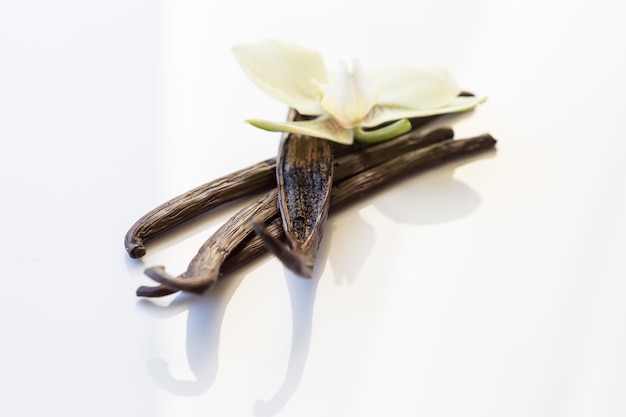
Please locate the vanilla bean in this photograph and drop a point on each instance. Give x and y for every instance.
(256, 178)
(227, 254)
(304, 172)
(249, 249)
(404, 165)
(204, 269)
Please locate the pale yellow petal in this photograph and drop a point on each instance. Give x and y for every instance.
(323, 127)
(382, 114)
(285, 71)
(350, 96)
(414, 88)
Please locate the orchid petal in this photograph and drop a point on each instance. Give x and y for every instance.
(350, 96)
(323, 127)
(414, 88)
(285, 71)
(381, 114)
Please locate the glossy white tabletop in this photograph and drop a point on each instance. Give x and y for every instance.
(491, 286)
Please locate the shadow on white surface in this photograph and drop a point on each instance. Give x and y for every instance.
(349, 230)
(302, 295)
(204, 322)
(430, 197)
(434, 196)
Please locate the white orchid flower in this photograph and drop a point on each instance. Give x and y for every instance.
(352, 103)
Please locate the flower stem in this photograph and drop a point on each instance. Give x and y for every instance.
(384, 133)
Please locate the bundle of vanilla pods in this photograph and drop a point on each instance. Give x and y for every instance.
(309, 178)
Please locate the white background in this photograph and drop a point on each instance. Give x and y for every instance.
(493, 286)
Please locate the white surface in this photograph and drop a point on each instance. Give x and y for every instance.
(490, 287)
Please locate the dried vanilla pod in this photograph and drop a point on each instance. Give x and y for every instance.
(204, 269)
(304, 173)
(256, 178)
